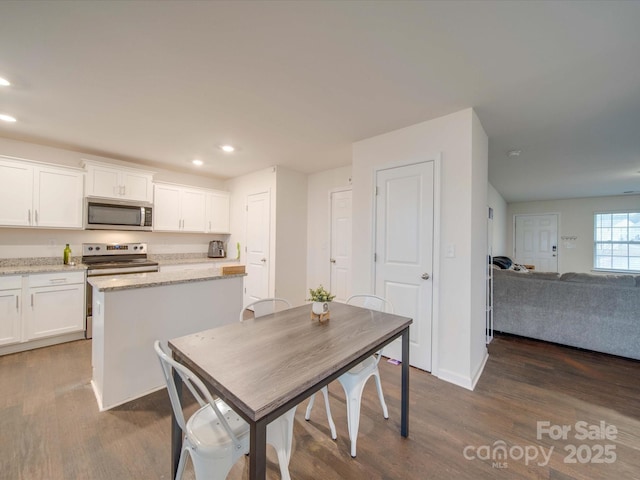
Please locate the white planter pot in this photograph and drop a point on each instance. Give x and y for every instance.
(320, 307)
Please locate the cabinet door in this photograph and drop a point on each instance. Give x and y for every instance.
(57, 199)
(10, 306)
(16, 193)
(193, 210)
(103, 182)
(166, 208)
(218, 213)
(137, 186)
(55, 310)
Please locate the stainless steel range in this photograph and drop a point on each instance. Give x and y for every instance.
(113, 259)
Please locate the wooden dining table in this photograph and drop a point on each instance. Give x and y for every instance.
(263, 367)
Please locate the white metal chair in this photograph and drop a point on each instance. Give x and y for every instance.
(265, 306)
(354, 380)
(215, 436)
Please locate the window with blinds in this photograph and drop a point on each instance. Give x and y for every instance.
(617, 242)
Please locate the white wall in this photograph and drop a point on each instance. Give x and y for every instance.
(499, 234)
(575, 220)
(25, 242)
(319, 187)
(459, 139)
(291, 235)
(479, 247)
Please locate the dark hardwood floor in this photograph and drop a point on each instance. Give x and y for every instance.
(50, 427)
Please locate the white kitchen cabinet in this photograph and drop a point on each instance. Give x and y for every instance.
(217, 213)
(122, 183)
(55, 304)
(40, 195)
(10, 309)
(179, 209)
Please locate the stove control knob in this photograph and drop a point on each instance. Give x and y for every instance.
(90, 248)
(97, 248)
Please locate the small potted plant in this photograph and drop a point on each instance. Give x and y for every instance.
(320, 298)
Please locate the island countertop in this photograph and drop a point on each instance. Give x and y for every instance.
(155, 279)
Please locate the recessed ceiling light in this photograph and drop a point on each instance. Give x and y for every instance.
(197, 162)
(4, 82)
(227, 148)
(514, 153)
(7, 118)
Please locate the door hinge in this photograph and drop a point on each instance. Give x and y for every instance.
(375, 257)
(377, 191)
(246, 208)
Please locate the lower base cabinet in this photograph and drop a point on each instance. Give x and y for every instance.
(40, 306)
(10, 309)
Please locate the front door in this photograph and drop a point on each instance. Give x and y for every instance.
(340, 256)
(536, 241)
(257, 268)
(404, 252)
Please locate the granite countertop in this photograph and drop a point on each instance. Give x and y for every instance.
(26, 266)
(156, 279)
(174, 260)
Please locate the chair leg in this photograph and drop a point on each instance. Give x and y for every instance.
(385, 412)
(182, 462)
(307, 414)
(280, 436)
(354, 397)
(332, 426)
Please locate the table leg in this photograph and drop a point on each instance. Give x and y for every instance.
(404, 425)
(176, 431)
(258, 450)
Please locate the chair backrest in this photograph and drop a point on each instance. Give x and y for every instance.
(265, 306)
(195, 386)
(372, 302)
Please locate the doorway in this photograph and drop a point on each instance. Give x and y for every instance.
(257, 248)
(536, 241)
(340, 255)
(404, 241)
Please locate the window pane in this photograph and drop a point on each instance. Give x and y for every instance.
(603, 262)
(634, 263)
(620, 234)
(634, 234)
(620, 263)
(634, 250)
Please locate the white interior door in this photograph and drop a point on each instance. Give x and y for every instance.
(340, 256)
(536, 241)
(257, 248)
(404, 252)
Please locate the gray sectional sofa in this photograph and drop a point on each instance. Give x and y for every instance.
(595, 312)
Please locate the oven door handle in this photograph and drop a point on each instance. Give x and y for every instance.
(120, 271)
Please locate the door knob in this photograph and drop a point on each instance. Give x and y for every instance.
(264, 260)
(333, 260)
(425, 276)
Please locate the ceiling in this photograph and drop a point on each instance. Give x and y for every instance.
(296, 83)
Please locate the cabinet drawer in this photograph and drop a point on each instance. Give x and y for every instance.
(58, 278)
(10, 282)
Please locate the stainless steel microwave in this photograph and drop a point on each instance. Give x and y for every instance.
(105, 214)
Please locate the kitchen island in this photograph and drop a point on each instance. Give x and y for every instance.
(130, 312)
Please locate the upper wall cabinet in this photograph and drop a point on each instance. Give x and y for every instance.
(177, 208)
(39, 195)
(217, 212)
(110, 181)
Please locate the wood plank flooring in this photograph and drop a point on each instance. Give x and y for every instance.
(50, 427)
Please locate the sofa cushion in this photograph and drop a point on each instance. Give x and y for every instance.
(611, 280)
